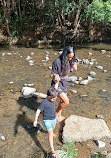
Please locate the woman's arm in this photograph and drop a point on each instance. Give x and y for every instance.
(36, 117)
(75, 66)
(57, 79)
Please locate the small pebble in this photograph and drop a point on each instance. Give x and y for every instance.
(12, 91)
(100, 116)
(32, 53)
(104, 90)
(2, 138)
(84, 95)
(73, 91)
(11, 82)
(105, 71)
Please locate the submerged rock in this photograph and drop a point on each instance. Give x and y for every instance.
(71, 79)
(92, 73)
(99, 67)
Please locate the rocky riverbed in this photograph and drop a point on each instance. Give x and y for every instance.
(19, 66)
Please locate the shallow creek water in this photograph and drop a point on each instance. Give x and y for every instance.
(24, 143)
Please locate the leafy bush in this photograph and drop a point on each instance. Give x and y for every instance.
(98, 155)
(69, 150)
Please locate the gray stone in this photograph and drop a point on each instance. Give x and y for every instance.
(100, 144)
(80, 129)
(39, 95)
(99, 67)
(71, 79)
(26, 91)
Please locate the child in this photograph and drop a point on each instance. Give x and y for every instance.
(49, 114)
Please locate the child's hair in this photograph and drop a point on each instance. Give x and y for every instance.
(52, 92)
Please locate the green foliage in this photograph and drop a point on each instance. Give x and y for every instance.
(99, 10)
(69, 150)
(98, 155)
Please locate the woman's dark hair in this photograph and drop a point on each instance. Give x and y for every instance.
(52, 92)
(67, 50)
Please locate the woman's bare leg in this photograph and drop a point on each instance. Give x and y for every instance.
(64, 101)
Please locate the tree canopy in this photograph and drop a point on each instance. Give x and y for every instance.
(17, 16)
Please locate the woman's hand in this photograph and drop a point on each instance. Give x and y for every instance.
(35, 124)
(57, 78)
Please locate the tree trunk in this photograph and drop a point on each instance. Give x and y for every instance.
(3, 2)
(20, 12)
(77, 17)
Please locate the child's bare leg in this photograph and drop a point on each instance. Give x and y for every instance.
(50, 136)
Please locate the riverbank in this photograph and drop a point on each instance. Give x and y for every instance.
(56, 35)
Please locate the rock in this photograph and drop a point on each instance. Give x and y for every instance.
(92, 60)
(2, 138)
(90, 78)
(31, 61)
(76, 82)
(32, 53)
(3, 54)
(99, 67)
(85, 61)
(90, 53)
(103, 51)
(26, 91)
(92, 73)
(60, 52)
(84, 82)
(28, 85)
(71, 79)
(46, 58)
(39, 95)
(104, 90)
(50, 67)
(73, 91)
(79, 78)
(105, 71)
(11, 82)
(13, 91)
(91, 63)
(109, 155)
(84, 95)
(80, 129)
(28, 58)
(108, 56)
(9, 53)
(47, 52)
(100, 144)
(100, 116)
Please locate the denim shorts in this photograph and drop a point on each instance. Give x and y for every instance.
(49, 123)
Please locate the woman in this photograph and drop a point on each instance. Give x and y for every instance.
(62, 66)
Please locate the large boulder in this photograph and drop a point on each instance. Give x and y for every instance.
(80, 129)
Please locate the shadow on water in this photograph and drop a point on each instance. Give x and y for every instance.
(30, 102)
(22, 119)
